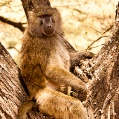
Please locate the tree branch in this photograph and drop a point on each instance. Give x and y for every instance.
(18, 25)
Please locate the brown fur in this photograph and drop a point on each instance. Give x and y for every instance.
(45, 62)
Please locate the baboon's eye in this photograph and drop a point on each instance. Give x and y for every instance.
(41, 16)
(41, 22)
(53, 20)
(45, 15)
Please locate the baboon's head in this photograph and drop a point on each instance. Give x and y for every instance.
(44, 21)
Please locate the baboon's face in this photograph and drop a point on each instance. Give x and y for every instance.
(44, 22)
(47, 24)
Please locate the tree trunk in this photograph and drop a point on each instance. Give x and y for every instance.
(103, 98)
(11, 90)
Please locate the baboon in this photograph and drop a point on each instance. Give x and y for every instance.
(45, 66)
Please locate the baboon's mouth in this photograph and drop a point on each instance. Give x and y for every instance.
(49, 32)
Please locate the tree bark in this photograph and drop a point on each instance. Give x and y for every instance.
(11, 90)
(103, 98)
(105, 81)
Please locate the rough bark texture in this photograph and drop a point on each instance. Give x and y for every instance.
(105, 80)
(103, 98)
(103, 70)
(11, 91)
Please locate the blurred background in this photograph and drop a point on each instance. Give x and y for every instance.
(86, 23)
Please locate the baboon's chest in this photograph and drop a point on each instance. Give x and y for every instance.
(52, 52)
(61, 56)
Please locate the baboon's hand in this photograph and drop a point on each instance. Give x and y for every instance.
(81, 94)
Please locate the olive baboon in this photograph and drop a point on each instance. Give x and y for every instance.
(45, 66)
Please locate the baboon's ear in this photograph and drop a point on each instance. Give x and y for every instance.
(48, 3)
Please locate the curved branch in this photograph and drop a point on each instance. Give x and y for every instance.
(89, 47)
(18, 25)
